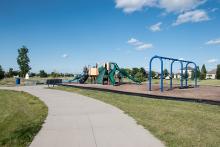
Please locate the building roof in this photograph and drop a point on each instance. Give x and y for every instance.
(212, 71)
(189, 68)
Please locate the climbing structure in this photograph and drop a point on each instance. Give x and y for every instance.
(105, 74)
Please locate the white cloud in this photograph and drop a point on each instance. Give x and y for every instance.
(181, 58)
(212, 60)
(130, 6)
(156, 27)
(180, 5)
(213, 42)
(192, 16)
(134, 41)
(64, 56)
(139, 45)
(144, 46)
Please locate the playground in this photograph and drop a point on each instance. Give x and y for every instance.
(109, 77)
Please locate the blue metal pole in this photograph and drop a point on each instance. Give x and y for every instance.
(181, 76)
(161, 76)
(150, 74)
(195, 74)
(171, 74)
(186, 75)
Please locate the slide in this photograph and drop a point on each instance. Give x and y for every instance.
(80, 79)
(122, 72)
(102, 73)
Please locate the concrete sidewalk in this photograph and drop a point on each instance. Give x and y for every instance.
(78, 121)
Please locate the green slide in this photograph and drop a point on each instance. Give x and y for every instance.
(79, 79)
(122, 72)
(102, 73)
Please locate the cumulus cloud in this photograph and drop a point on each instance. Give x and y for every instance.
(156, 27)
(139, 45)
(64, 56)
(180, 5)
(134, 41)
(144, 46)
(130, 6)
(213, 42)
(191, 16)
(212, 60)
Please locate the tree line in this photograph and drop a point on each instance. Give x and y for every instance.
(140, 74)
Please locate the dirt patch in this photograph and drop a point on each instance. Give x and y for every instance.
(201, 92)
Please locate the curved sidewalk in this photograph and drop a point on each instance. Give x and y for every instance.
(79, 121)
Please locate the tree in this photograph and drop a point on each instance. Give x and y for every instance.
(218, 72)
(54, 74)
(134, 71)
(153, 74)
(197, 74)
(42, 74)
(10, 72)
(143, 71)
(203, 72)
(85, 70)
(2, 73)
(23, 61)
(165, 73)
(139, 76)
(128, 70)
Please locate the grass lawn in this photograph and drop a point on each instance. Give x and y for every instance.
(21, 117)
(177, 124)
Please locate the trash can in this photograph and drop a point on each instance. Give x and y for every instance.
(17, 81)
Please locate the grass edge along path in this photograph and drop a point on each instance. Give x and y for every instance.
(21, 117)
(177, 124)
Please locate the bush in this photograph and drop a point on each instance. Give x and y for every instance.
(42, 74)
(139, 76)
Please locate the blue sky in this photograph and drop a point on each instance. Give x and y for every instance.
(65, 35)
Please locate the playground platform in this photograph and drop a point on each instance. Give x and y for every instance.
(201, 94)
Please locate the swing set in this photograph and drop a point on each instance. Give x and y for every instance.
(171, 72)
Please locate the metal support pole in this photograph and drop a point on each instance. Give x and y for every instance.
(181, 76)
(150, 73)
(161, 76)
(186, 74)
(171, 74)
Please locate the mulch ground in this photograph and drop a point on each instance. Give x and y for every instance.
(201, 92)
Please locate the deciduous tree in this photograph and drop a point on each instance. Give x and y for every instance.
(23, 61)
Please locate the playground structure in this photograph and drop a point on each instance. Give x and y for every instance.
(107, 74)
(171, 72)
(110, 74)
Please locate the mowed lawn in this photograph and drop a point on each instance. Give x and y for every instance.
(177, 124)
(21, 117)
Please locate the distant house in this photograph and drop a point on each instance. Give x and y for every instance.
(211, 74)
(189, 71)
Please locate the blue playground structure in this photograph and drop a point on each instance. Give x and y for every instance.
(171, 72)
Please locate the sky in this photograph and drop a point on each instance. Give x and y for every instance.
(65, 35)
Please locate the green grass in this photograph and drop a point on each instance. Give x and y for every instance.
(21, 117)
(177, 124)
